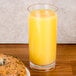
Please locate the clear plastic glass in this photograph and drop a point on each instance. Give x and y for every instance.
(42, 23)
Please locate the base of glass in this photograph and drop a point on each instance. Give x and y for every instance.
(43, 67)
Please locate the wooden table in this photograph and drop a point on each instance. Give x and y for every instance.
(66, 59)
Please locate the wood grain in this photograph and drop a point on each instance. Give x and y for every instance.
(66, 58)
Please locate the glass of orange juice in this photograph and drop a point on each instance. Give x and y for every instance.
(42, 22)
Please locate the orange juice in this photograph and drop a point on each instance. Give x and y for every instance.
(42, 36)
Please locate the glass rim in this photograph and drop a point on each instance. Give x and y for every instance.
(48, 4)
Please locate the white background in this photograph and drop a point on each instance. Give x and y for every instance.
(13, 20)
